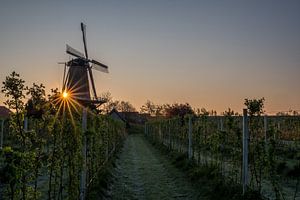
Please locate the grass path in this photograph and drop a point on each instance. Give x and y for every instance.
(143, 173)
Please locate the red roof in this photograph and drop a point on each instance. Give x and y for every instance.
(4, 112)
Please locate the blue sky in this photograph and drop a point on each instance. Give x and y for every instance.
(211, 54)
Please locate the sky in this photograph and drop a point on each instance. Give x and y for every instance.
(211, 54)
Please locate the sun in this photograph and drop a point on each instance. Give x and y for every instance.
(65, 94)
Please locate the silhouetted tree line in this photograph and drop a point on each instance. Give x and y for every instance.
(154, 110)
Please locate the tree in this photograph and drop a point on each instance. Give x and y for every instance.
(36, 104)
(255, 106)
(13, 88)
(257, 158)
(202, 112)
(125, 106)
(106, 96)
(230, 112)
(121, 106)
(148, 108)
(109, 104)
(159, 110)
(178, 110)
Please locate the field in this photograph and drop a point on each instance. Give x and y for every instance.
(47, 162)
(217, 141)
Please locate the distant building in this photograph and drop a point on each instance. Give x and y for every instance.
(4, 112)
(117, 116)
(133, 117)
(129, 117)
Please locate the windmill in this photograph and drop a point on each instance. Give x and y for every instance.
(76, 83)
(78, 74)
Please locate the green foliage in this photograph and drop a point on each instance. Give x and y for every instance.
(45, 161)
(217, 144)
(36, 105)
(149, 108)
(13, 88)
(178, 110)
(121, 106)
(208, 179)
(255, 106)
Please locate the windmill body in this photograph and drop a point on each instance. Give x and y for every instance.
(78, 81)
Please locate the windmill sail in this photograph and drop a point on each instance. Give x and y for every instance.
(99, 66)
(74, 52)
(83, 27)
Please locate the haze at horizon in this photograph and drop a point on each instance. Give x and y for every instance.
(209, 54)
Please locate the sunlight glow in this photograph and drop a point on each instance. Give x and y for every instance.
(67, 104)
(65, 94)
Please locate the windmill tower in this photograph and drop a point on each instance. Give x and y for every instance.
(79, 76)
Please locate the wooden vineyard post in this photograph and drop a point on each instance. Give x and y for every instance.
(107, 144)
(223, 144)
(147, 129)
(83, 171)
(2, 130)
(25, 124)
(169, 133)
(221, 124)
(190, 136)
(265, 128)
(160, 134)
(245, 150)
(278, 131)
